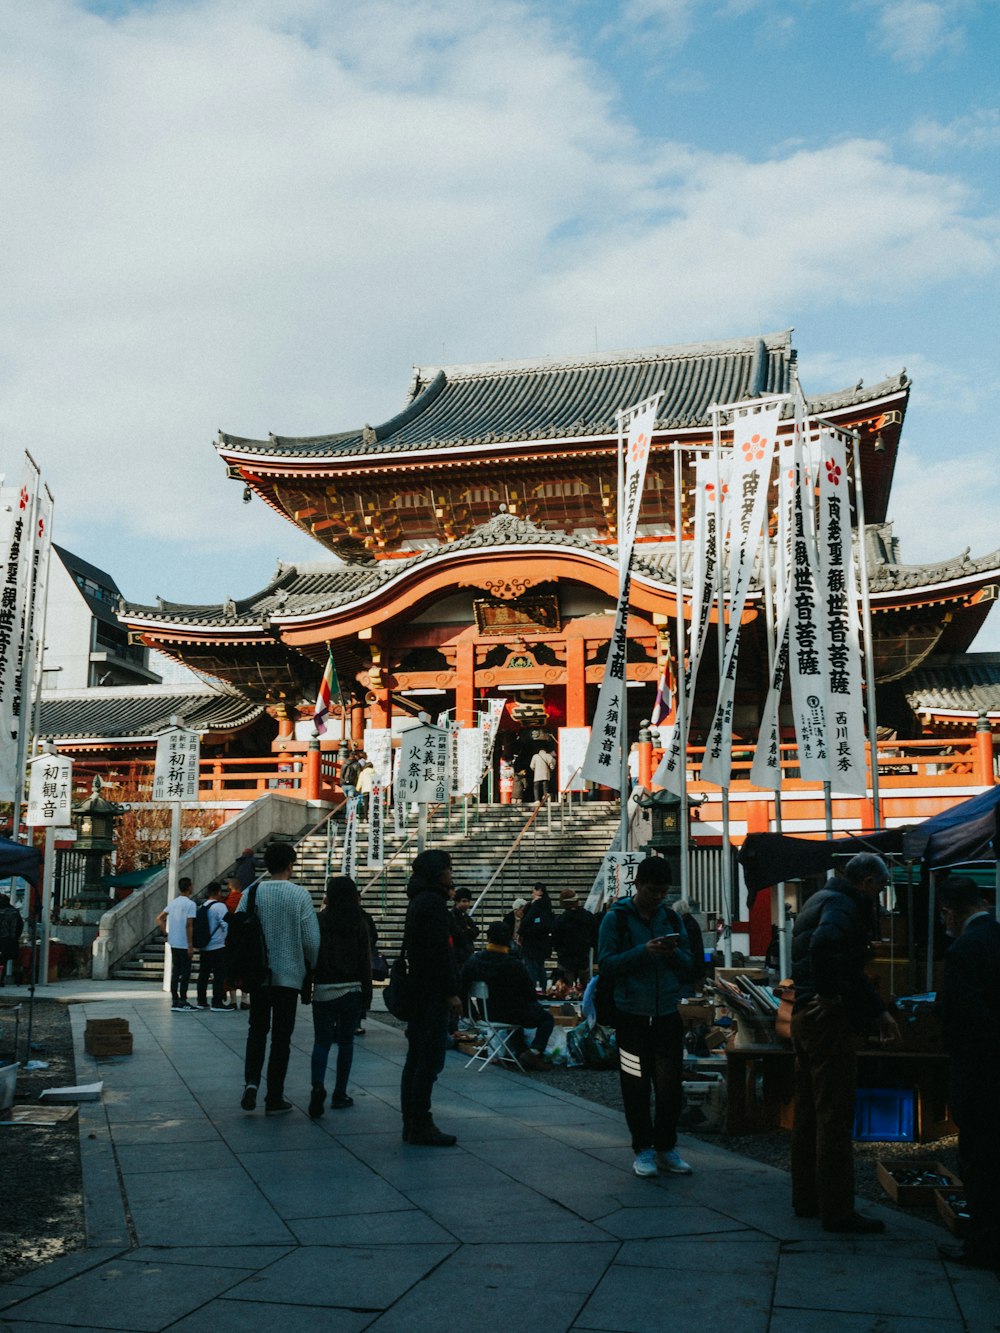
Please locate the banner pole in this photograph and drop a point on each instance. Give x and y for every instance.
(721, 538)
(26, 635)
(680, 674)
(623, 559)
(770, 591)
(866, 622)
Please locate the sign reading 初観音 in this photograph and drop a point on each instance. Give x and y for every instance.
(423, 765)
(175, 777)
(50, 796)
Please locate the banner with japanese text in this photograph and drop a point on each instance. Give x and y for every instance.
(376, 828)
(754, 432)
(602, 762)
(805, 629)
(398, 797)
(489, 725)
(50, 793)
(641, 420)
(175, 774)
(16, 551)
(841, 649)
(423, 771)
(378, 748)
(349, 856)
(470, 760)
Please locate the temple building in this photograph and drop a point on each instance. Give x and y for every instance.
(470, 551)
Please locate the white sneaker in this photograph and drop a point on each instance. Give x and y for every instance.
(673, 1163)
(645, 1163)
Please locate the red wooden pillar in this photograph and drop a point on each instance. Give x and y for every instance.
(984, 751)
(759, 821)
(357, 722)
(312, 770)
(465, 680)
(380, 707)
(576, 682)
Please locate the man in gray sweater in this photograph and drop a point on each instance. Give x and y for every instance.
(291, 929)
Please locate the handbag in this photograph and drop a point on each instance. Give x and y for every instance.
(398, 994)
(380, 966)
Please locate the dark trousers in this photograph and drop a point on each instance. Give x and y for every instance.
(541, 788)
(979, 1166)
(335, 1021)
(826, 1080)
(180, 974)
(272, 1009)
(542, 1021)
(535, 967)
(427, 1041)
(651, 1058)
(211, 967)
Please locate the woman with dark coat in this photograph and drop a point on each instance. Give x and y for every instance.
(433, 983)
(342, 988)
(536, 935)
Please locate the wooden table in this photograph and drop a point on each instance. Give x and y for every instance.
(760, 1087)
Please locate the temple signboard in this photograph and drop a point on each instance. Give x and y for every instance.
(535, 615)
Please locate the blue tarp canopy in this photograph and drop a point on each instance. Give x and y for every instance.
(966, 832)
(16, 859)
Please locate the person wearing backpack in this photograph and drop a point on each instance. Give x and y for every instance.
(291, 934)
(349, 777)
(209, 938)
(643, 948)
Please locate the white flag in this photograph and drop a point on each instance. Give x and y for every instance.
(17, 507)
(805, 629)
(349, 859)
(754, 431)
(840, 641)
(378, 748)
(376, 829)
(602, 762)
(641, 419)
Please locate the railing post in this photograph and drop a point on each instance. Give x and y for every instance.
(312, 773)
(645, 755)
(984, 751)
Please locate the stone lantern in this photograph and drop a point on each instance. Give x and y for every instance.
(94, 821)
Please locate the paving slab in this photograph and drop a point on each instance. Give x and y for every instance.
(166, 1208)
(822, 1321)
(231, 1317)
(867, 1275)
(404, 1227)
(648, 1222)
(349, 1277)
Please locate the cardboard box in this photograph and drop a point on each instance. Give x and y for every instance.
(105, 1025)
(693, 1014)
(950, 1204)
(103, 1044)
(914, 1195)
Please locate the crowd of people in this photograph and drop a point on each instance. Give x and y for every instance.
(648, 956)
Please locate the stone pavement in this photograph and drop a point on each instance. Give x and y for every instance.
(204, 1219)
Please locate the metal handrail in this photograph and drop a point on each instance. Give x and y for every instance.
(513, 848)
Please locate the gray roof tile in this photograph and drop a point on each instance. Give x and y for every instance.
(121, 712)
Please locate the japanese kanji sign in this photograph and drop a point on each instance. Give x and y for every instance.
(175, 777)
(50, 798)
(423, 768)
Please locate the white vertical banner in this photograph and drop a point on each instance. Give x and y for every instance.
(672, 770)
(16, 534)
(398, 797)
(349, 857)
(840, 641)
(641, 420)
(805, 629)
(489, 725)
(423, 772)
(766, 769)
(376, 828)
(470, 760)
(573, 743)
(50, 795)
(754, 431)
(378, 748)
(602, 762)
(454, 731)
(175, 774)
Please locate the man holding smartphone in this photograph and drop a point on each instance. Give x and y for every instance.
(643, 947)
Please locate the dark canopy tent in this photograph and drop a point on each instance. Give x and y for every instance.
(16, 859)
(966, 832)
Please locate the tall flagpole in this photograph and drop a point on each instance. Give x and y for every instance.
(680, 677)
(721, 539)
(623, 557)
(866, 620)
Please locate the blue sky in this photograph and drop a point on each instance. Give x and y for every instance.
(258, 214)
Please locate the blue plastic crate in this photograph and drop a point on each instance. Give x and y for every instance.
(885, 1115)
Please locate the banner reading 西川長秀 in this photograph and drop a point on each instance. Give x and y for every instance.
(754, 430)
(841, 657)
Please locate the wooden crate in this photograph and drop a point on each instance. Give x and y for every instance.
(948, 1201)
(911, 1196)
(102, 1044)
(106, 1025)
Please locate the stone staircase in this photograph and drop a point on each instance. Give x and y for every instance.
(563, 851)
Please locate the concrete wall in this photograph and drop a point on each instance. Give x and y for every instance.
(67, 632)
(133, 920)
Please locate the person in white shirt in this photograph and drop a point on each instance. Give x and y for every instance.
(543, 763)
(177, 923)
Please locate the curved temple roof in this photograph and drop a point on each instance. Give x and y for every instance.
(562, 398)
(123, 712)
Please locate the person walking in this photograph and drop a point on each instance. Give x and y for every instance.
(210, 920)
(642, 946)
(433, 981)
(574, 936)
(834, 1003)
(342, 988)
(290, 927)
(535, 935)
(543, 765)
(970, 1021)
(177, 923)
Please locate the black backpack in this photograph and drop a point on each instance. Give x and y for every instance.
(203, 930)
(246, 948)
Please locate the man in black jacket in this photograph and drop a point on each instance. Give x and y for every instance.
(834, 1002)
(511, 994)
(970, 1020)
(574, 935)
(463, 929)
(434, 985)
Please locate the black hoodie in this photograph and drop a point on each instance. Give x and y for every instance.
(427, 942)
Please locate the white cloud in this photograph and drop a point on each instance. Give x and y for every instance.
(980, 129)
(914, 32)
(256, 214)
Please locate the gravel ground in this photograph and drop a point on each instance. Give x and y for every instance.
(42, 1208)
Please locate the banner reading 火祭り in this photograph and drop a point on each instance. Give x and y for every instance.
(805, 629)
(754, 432)
(711, 486)
(602, 762)
(840, 639)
